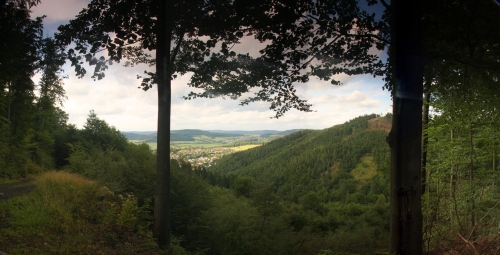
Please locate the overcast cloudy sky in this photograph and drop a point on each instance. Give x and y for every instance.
(117, 99)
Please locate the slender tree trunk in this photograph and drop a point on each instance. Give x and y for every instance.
(452, 169)
(425, 172)
(495, 142)
(494, 165)
(161, 229)
(425, 136)
(405, 137)
(471, 180)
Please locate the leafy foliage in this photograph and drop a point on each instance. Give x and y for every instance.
(302, 39)
(463, 167)
(28, 120)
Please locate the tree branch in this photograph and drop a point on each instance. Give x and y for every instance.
(177, 47)
(384, 3)
(351, 35)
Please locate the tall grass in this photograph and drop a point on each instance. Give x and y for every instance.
(69, 214)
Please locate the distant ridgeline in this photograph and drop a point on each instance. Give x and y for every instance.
(176, 135)
(190, 134)
(352, 159)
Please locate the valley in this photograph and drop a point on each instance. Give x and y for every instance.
(233, 192)
(202, 148)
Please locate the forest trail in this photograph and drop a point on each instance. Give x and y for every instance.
(9, 190)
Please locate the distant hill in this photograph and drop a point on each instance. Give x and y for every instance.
(251, 132)
(140, 135)
(189, 134)
(318, 160)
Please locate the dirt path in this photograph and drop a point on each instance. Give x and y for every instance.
(9, 190)
(13, 189)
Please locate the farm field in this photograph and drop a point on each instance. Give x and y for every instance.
(245, 147)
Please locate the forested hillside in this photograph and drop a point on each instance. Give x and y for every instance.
(329, 187)
(317, 160)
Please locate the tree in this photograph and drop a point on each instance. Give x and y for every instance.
(303, 39)
(49, 118)
(97, 133)
(421, 34)
(19, 59)
(183, 33)
(20, 3)
(462, 143)
(406, 133)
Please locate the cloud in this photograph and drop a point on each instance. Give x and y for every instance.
(360, 99)
(53, 9)
(117, 99)
(325, 99)
(355, 96)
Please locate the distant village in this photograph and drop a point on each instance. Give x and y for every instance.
(200, 156)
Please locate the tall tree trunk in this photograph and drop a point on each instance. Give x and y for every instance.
(161, 229)
(425, 136)
(405, 137)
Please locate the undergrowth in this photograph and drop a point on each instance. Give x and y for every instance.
(69, 214)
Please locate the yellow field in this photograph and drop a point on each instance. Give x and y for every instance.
(244, 147)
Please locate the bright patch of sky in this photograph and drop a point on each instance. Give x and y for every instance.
(118, 101)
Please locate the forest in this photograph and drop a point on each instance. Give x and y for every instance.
(311, 192)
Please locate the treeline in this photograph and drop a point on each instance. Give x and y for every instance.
(30, 116)
(331, 185)
(247, 216)
(337, 211)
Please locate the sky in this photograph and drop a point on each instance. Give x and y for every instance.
(117, 99)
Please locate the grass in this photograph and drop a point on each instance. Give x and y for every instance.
(69, 214)
(12, 180)
(152, 146)
(365, 169)
(136, 141)
(245, 147)
(7, 181)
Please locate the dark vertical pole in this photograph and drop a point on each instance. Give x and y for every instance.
(406, 134)
(163, 70)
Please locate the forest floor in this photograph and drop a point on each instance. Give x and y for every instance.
(12, 189)
(62, 213)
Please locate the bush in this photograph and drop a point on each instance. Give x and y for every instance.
(69, 214)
